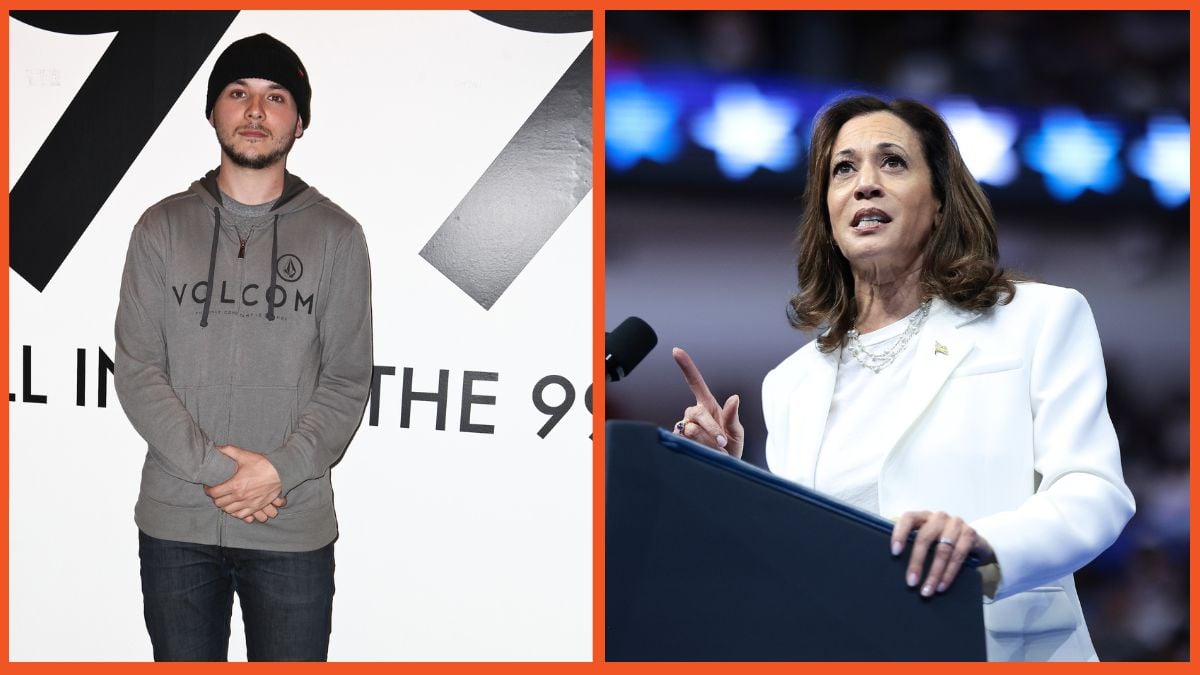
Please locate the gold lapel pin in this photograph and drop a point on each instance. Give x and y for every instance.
(939, 348)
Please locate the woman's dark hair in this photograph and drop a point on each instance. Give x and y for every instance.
(960, 256)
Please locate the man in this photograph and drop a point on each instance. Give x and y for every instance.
(243, 342)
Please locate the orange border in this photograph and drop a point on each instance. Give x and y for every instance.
(1194, 369)
(614, 5)
(598, 316)
(598, 323)
(4, 330)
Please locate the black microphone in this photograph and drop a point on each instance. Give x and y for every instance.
(626, 346)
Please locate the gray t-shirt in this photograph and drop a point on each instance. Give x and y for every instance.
(244, 217)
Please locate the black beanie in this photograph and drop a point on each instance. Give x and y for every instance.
(261, 56)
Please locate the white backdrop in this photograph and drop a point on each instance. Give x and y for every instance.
(454, 545)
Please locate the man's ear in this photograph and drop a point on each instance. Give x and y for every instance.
(211, 122)
(299, 126)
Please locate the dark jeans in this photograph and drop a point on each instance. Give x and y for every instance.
(187, 590)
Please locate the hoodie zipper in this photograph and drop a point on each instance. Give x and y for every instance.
(242, 248)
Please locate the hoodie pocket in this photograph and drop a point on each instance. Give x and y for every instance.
(261, 418)
(166, 477)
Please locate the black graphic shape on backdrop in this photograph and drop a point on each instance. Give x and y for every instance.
(127, 95)
(531, 187)
(569, 21)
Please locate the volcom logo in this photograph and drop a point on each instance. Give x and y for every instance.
(289, 267)
(539, 177)
(250, 295)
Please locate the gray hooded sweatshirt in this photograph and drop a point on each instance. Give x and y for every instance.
(264, 344)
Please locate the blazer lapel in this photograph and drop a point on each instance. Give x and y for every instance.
(808, 410)
(940, 347)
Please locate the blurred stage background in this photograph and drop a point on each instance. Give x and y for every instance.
(1075, 123)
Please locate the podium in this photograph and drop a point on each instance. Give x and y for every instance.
(708, 558)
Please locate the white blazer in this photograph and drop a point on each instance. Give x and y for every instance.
(1004, 423)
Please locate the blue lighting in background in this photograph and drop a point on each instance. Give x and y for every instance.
(985, 139)
(747, 130)
(1075, 154)
(1163, 157)
(639, 122)
(664, 115)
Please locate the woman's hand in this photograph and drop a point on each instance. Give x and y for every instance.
(707, 422)
(951, 540)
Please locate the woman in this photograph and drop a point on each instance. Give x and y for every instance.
(943, 394)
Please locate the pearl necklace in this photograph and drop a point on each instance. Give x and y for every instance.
(878, 362)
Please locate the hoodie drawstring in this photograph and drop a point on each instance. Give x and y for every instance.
(212, 264)
(274, 264)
